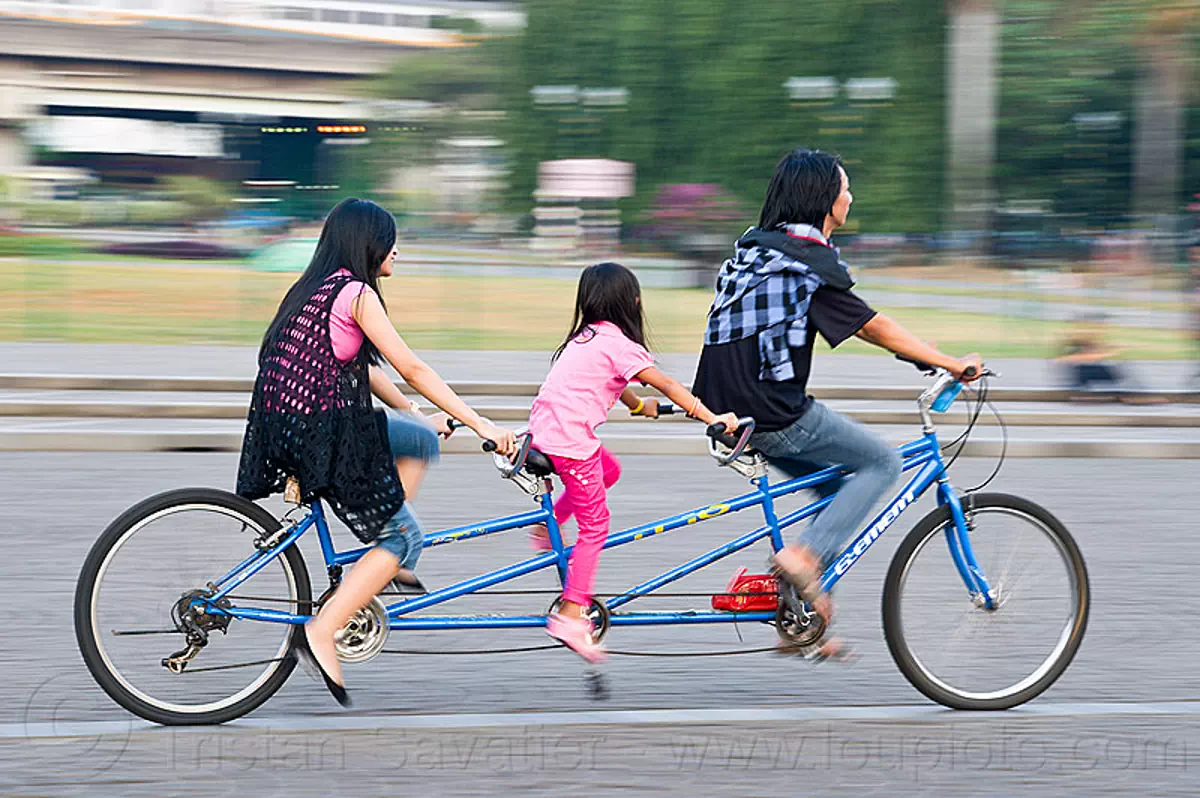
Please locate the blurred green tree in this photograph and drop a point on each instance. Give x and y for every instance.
(707, 101)
(204, 198)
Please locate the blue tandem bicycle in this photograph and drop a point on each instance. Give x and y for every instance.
(970, 621)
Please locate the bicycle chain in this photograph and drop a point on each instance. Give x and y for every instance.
(517, 649)
(514, 650)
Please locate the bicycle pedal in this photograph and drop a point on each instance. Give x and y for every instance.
(790, 597)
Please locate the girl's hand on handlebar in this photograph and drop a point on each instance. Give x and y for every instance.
(503, 438)
(970, 361)
(649, 408)
(729, 420)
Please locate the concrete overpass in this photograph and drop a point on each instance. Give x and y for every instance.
(241, 69)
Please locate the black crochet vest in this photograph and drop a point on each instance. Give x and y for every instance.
(311, 418)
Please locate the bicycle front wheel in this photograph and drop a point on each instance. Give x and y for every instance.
(140, 580)
(963, 655)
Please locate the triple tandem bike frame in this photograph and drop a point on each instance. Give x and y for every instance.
(922, 456)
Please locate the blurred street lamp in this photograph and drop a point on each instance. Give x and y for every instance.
(1096, 122)
(870, 89)
(555, 95)
(574, 107)
(803, 89)
(605, 98)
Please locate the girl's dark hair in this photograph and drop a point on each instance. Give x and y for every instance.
(608, 292)
(803, 190)
(357, 236)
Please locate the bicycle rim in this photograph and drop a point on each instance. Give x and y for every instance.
(142, 577)
(987, 658)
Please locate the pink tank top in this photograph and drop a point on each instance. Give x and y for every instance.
(344, 332)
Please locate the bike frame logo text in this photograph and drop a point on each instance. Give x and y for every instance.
(870, 536)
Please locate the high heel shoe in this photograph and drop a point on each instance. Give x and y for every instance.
(305, 654)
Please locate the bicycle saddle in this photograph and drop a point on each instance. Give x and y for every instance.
(538, 464)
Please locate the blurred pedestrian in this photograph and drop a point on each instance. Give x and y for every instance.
(311, 417)
(1092, 372)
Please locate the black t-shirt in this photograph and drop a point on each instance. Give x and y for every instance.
(727, 377)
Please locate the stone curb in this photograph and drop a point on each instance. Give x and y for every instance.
(84, 382)
(23, 408)
(625, 444)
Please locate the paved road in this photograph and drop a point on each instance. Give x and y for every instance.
(866, 731)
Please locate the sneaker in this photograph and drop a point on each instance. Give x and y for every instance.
(575, 634)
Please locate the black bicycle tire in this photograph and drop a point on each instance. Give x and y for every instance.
(893, 628)
(85, 635)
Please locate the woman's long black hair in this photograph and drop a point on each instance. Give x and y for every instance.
(608, 292)
(357, 236)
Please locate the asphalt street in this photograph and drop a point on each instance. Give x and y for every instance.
(1124, 719)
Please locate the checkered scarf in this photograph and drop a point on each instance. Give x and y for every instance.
(765, 292)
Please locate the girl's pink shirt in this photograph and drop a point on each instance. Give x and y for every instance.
(582, 386)
(344, 332)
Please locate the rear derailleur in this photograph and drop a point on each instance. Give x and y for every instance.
(194, 623)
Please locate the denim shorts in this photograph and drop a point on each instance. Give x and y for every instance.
(408, 436)
(403, 537)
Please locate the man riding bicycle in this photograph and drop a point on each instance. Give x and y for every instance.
(784, 284)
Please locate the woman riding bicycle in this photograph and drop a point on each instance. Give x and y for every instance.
(311, 416)
(784, 284)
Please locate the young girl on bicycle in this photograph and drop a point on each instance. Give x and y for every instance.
(311, 416)
(604, 351)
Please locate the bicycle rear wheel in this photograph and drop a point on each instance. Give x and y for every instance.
(962, 655)
(134, 587)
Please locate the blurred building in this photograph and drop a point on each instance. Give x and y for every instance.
(228, 89)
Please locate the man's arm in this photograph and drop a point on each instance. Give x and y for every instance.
(888, 333)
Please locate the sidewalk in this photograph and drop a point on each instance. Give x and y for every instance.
(240, 361)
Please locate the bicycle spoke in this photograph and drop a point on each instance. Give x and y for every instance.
(143, 587)
(986, 654)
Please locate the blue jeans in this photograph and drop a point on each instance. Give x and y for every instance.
(408, 436)
(822, 438)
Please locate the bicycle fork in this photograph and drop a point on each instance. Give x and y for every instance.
(958, 539)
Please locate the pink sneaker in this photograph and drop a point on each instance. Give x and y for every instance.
(575, 634)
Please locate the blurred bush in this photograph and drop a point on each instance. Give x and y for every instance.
(79, 213)
(37, 246)
(695, 219)
(173, 250)
(206, 199)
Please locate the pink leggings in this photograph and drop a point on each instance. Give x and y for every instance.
(585, 485)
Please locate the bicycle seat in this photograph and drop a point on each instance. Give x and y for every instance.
(538, 464)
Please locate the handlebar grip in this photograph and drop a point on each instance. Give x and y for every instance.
(918, 364)
(454, 423)
(667, 409)
(489, 446)
(969, 372)
(717, 432)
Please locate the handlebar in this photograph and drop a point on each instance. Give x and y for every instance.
(969, 373)
(716, 432)
(489, 446)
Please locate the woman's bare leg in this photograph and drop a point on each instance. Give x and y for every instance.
(368, 576)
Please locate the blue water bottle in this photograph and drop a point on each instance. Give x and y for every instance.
(946, 398)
